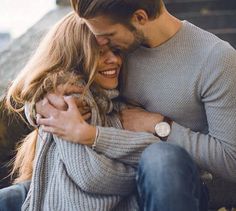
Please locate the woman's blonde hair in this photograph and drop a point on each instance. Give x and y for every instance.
(68, 53)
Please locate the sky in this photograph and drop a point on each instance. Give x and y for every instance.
(16, 16)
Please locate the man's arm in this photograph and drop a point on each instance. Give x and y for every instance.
(216, 150)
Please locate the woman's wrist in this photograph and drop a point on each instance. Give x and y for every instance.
(91, 132)
(96, 139)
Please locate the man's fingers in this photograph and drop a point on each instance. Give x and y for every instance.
(72, 89)
(80, 102)
(57, 101)
(84, 110)
(45, 109)
(87, 116)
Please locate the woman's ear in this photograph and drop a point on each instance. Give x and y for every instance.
(139, 18)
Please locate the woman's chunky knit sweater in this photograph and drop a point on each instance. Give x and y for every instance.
(74, 177)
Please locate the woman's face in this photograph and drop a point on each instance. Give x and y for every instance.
(108, 69)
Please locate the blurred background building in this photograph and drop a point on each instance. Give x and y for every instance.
(17, 16)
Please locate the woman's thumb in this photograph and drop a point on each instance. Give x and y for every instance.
(70, 101)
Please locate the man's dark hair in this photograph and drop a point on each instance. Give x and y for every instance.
(117, 10)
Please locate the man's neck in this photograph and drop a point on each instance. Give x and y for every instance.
(162, 29)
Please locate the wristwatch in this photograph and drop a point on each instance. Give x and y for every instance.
(163, 129)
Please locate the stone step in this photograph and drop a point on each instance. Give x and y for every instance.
(202, 6)
(212, 20)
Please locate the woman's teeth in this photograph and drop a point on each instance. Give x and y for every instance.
(108, 72)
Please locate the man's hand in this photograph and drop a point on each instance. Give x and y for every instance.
(57, 101)
(139, 120)
(69, 124)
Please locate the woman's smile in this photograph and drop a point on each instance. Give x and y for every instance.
(110, 73)
(108, 70)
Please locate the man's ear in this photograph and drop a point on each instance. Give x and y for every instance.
(139, 18)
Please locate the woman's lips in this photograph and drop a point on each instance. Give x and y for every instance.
(110, 73)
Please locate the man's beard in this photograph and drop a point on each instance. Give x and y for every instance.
(139, 39)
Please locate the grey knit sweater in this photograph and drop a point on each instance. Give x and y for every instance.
(73, 177)
(191, 79)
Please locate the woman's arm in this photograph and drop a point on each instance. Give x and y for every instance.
(94, 172)
(125, 146)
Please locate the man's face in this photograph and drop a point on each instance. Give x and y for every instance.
(115, 35)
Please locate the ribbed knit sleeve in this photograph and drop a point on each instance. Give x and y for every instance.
(125, 146)
(93, 172)
(216, 150)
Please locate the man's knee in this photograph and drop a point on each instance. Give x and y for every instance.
(162, 154)
(166, 174)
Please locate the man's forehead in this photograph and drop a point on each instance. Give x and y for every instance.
(99, 21)
(100, 26)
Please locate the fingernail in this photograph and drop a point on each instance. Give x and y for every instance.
(38, 116)
(67, 97)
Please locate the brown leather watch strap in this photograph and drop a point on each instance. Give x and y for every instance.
(168, 120)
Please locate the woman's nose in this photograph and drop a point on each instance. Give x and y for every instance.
(111, 58)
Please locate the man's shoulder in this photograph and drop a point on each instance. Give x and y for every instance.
(197, 34)
(208, 43)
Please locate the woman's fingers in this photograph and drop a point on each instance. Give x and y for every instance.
(71, 103)
(46, 121)
(53, 130)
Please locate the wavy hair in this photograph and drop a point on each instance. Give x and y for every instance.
(68, 53)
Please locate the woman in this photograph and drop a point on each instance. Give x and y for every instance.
(64, 174)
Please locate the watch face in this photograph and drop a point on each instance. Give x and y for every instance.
(162, 129)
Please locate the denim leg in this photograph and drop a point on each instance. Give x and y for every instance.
(12, 198)
(168, 179)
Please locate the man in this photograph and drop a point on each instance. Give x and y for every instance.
(179, 71)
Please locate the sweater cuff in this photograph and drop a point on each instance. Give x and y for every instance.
(104, 139)
(177, 133)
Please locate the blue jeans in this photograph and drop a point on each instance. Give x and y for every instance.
(168, 179)
(13, 197)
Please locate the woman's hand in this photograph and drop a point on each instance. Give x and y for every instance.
(56, 99)
(69, 124)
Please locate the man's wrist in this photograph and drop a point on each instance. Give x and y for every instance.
(163, 129)
(157, 118)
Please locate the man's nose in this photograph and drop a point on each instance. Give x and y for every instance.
(102, 40)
